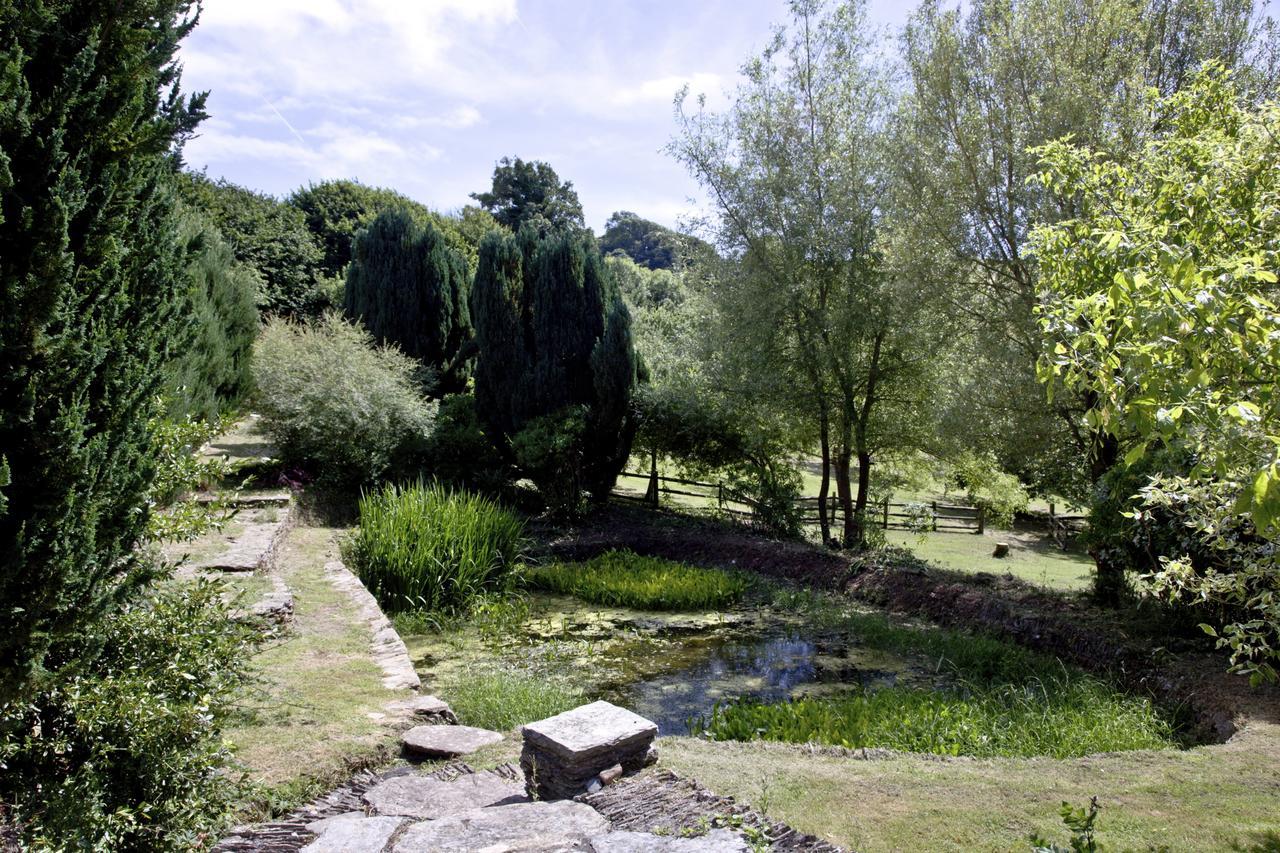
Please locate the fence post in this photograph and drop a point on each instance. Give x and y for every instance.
(886, 513)
(935, 516)
(651, 496)
(982, 520)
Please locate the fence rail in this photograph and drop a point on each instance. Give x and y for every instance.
(889, 515)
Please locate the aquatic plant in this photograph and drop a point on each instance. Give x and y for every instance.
(430, 548)
(626, 579)
(1066, 716)
(503, 698)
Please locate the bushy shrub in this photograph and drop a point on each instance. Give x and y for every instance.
(623, 578)
(181, 470)
(346, 411)
(126, 754)
(426, 547)
(549, 451)
(459, 453)
(998, 493)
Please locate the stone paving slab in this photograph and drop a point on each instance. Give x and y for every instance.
(352, 833)
(447, 741)
(525, 827)
(599, 728)
(252, 550)
(430, 799)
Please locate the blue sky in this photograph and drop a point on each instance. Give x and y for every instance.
(425, 95)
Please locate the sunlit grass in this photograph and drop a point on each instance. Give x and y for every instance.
(625, 579)
(501, 699)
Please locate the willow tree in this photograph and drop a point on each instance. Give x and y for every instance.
(409, 288)
(555, 367)
(812, 316)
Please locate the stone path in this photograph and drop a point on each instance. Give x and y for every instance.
(453, 808)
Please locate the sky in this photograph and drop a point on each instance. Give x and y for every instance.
(425, 96)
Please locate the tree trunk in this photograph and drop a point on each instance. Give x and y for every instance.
(1109, 577)
(824, 437)
(863, 447)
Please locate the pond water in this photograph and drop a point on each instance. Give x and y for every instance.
(666, 667)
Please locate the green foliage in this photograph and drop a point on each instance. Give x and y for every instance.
(126, 753)
(772, 489)
(212, 373)
(336, 211)
(501, 699)
(91, 284)
(430, 548)
(344, 410)
(409, 289)
(681, 424)
(459, 453)
(987, 486)
(1064, 716)
(1160, 307)
(531, 193)
(269, 237)
(625, 579)
(554, 355)
(646, 243)
(1080, 823)
(181, 469)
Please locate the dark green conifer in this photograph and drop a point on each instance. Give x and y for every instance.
(409, 288)
(554, 355)
(91, 277)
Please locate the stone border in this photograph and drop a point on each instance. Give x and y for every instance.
(389, 651)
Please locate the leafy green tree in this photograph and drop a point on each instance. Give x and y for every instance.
(554, 360)
(647, 243)
(409, 289)
(1161, 308)
(91, 280)
(335, 211)
(813, 322)
(268, 236)
(987, 82)
(211, 372)
(530, 192)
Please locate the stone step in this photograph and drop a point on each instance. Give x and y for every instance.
(425, 798)
(447, 741)
(539, 827)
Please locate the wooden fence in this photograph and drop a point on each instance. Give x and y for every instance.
(931, 516)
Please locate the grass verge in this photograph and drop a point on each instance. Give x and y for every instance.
(625, 579)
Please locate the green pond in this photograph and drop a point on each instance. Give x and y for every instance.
(666, 667)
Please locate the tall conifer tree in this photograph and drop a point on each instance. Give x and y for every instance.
(553, 341)
(90, 276)
(409, 288)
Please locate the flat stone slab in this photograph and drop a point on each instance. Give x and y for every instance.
(447, 741)
(249, 551)
(430, 799)
(539, 827)
(589, 731)
(715, 841)
(352, 833)
(425, 706)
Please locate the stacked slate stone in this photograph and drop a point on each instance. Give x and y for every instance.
(583, 749)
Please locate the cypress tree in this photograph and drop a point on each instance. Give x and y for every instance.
(553, 341)
(213, 372)
(90, 279)
(409, 288)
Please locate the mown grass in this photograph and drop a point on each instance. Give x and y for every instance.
(625, 579)
(426, 547)
(501, 699)
(1063, 717)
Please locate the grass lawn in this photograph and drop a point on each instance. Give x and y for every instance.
(1208, 798)
(311, 722)
(1031, 557)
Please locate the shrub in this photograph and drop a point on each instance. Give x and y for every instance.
(126, 753)
(549, 451)
(1064, 716)
(336, 405)
(426, 547)
(622, 578)
(458, 452)
(501, 699)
